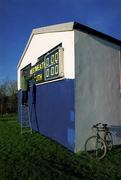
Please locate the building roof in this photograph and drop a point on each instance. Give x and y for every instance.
(69, 26)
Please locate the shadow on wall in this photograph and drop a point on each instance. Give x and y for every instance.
(116, 130)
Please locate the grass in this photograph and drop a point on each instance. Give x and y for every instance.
(35, 157)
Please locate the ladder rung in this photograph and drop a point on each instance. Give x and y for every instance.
(25, 119)
(26, 127)
(25, 122)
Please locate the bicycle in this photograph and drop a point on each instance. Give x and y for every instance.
(97, 146)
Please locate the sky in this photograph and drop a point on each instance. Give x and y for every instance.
(19, 17)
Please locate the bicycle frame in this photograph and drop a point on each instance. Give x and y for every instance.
(105, 131)
(98, 145)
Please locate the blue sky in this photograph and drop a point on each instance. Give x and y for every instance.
(19, 17)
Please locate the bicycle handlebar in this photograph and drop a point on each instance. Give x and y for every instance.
(104, 126)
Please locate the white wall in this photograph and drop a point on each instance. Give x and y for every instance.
(41, 43)
(97, 85)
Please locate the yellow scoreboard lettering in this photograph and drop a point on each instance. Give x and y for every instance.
(47, 62)
(52, 72)
(39, 77)
(56, 57)
(32, 71)
(37, 67)
(47, 72)
(56, 69)
(52, 59)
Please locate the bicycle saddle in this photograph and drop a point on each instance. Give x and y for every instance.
(96, 125)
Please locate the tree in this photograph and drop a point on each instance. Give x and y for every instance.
(12, 94)
(8, 96)
(3, 98)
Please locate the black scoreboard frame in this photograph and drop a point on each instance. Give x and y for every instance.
(49, 66)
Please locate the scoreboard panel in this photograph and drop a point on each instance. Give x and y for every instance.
(51, 62)
(49, 66)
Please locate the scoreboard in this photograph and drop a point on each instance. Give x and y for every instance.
(49, 66)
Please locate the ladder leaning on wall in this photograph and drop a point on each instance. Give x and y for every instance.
(25, 119)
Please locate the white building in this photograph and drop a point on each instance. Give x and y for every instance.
(77, 89)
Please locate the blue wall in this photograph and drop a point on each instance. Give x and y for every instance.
(53, 113)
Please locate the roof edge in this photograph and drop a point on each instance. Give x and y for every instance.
(69, 26)
(80, 27)
(54, 28)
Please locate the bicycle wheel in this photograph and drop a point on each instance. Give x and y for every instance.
(109, 140)
(95, 147)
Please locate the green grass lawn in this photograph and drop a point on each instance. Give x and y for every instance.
(34, 157)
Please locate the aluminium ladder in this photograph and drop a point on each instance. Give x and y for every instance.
(25, 119)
